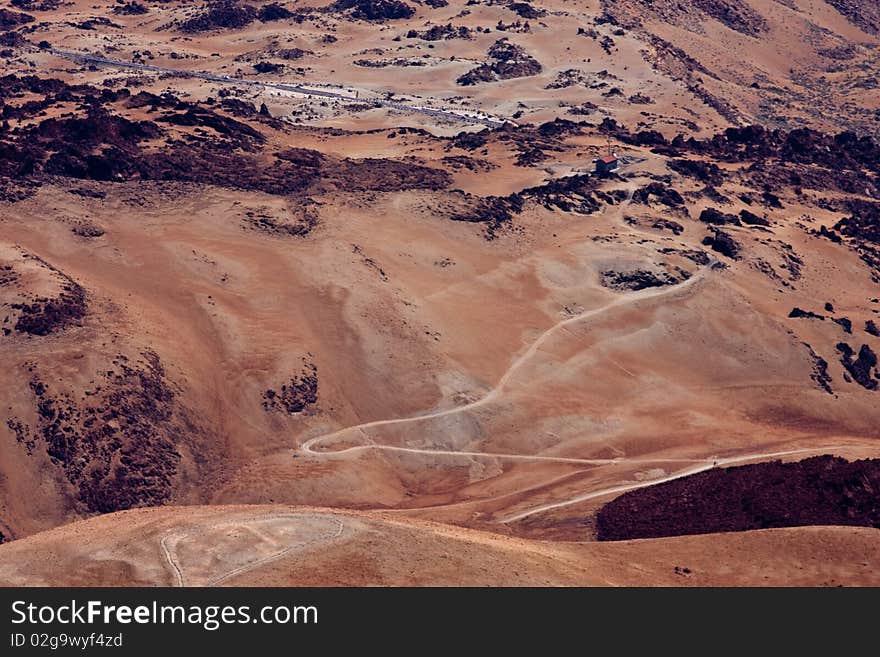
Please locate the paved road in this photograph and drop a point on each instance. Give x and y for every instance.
(457, 115)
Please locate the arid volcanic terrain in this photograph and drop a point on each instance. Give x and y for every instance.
(310, 293)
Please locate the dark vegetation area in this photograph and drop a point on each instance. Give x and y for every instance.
(824, 490)
(117, 444)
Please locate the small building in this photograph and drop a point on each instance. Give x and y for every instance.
(607, 164)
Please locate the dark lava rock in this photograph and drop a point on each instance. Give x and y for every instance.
(302, 221)
(87, 229)
(36, 5)
(668, 224)
(569, 194)
(375, 10)
(771, 200)
(89, 193)
(13, 40)
(802, 157)
(752, 219)
(118, 449)
(44, 316)
(292, 53)
(705, 171)
(507, 60)
(10, 19)
(296, 395)
(660, 192)
(239, 108)
(830, 234)
(470, 141)
(860, 368)
(737, 15)
(274, 12)
(820, 370)
(844, 322)
(635, 280)
(268, 67)
(97, 144)
(722, 243)
(797, 313)
(640, 99)
(872, 328)
(494, 211)
(229, 14)
(824, 490)
(525, 10)
(442, 32)
(864, 224)
(130, 9)
(863, 229)
(864, 13)
(718, 218)
(694, 255)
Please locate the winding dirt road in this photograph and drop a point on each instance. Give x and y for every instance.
(308, 447)
(701, 465)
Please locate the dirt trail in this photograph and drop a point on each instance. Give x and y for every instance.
(700, 464)
(708, 465)
(332, 532)
(308, 447)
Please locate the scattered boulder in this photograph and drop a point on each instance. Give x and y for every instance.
(722, 243)
(268, 67)
(441, 33)
(638, 279)
(668, 224)
(506, 60)
(274, 12)
(295, 396)
(820, 370)
(707, 172)
(861, 367)
(525, 10)
(752, 219)
(375, 10)
(663, 194)
(130, 9)
(797, 313)
(10, 19)
(292, 53)
(220, 14)
(718, 218)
